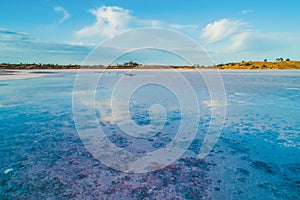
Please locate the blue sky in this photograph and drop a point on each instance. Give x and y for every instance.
(64, 32)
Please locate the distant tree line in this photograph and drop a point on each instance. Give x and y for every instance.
(37, 66)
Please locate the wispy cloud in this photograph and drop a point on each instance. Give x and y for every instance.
(239, 40)
(220, 30)
(181, 26)
(6, 34)
(21, 47)
(247, 11)
(258, 42)
(65, 14)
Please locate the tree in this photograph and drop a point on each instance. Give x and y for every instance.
(265, 60)
(131, 64)
(279, 59)
(287, 59)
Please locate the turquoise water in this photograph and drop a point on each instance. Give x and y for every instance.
(256, 157)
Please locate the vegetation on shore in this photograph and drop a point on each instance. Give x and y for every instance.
(126, 65)
(262, 65)
(280, 64)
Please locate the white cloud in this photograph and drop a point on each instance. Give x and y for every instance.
(220, 30)
(66, 14)
(255, 45)
(110, 20)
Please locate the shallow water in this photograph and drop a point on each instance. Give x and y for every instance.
(256, 157)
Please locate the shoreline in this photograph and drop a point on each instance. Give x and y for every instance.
(250, 65)
(8, 70)
(6, 75)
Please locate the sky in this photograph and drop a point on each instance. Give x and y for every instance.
(65, 32)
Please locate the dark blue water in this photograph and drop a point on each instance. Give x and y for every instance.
(256, 157)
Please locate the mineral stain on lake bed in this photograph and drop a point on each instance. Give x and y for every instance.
(256, 157)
